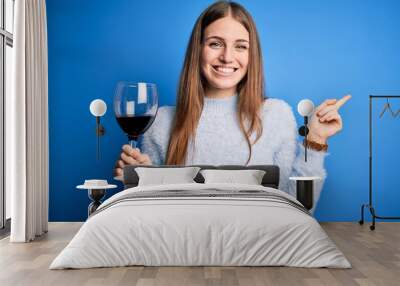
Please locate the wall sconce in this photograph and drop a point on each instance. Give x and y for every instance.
(306, 109)
(98, 108)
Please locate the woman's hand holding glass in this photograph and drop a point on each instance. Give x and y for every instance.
(326, 120)
(130, 156)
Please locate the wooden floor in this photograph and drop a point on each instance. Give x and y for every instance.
(375, 256)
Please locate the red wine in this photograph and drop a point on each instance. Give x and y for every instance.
(135, 125)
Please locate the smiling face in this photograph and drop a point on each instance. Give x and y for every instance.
(224, 56)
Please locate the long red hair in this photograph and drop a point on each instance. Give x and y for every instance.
(191, 90)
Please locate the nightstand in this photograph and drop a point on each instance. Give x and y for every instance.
(96, 192)
(305, 190)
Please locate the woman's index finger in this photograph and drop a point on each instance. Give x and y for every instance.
(133, 152)
(127, 149)
(342, 101)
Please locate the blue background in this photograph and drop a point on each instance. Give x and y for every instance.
(314, 49)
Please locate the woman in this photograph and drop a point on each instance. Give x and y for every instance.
(222, 116)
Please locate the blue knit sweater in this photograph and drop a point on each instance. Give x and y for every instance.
(219, 140)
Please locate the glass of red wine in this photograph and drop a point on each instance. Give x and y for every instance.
(135, 108)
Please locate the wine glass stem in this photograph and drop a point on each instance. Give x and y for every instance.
(132, 142)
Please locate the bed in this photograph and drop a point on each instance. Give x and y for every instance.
(201, 224)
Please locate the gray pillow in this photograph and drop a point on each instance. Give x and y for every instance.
(162, 176)
(249, 177)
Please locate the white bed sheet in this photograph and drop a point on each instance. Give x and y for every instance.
(200, 231)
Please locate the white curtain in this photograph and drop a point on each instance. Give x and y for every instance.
(27, 124)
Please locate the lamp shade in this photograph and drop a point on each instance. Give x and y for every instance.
(98, 107)
(305, 107)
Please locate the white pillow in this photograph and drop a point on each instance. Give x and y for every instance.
(162, 176)
(249, 177)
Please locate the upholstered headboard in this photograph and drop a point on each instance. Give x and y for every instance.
(270, 179)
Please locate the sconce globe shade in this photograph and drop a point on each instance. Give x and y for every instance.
(98, 107)
(305, 107)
